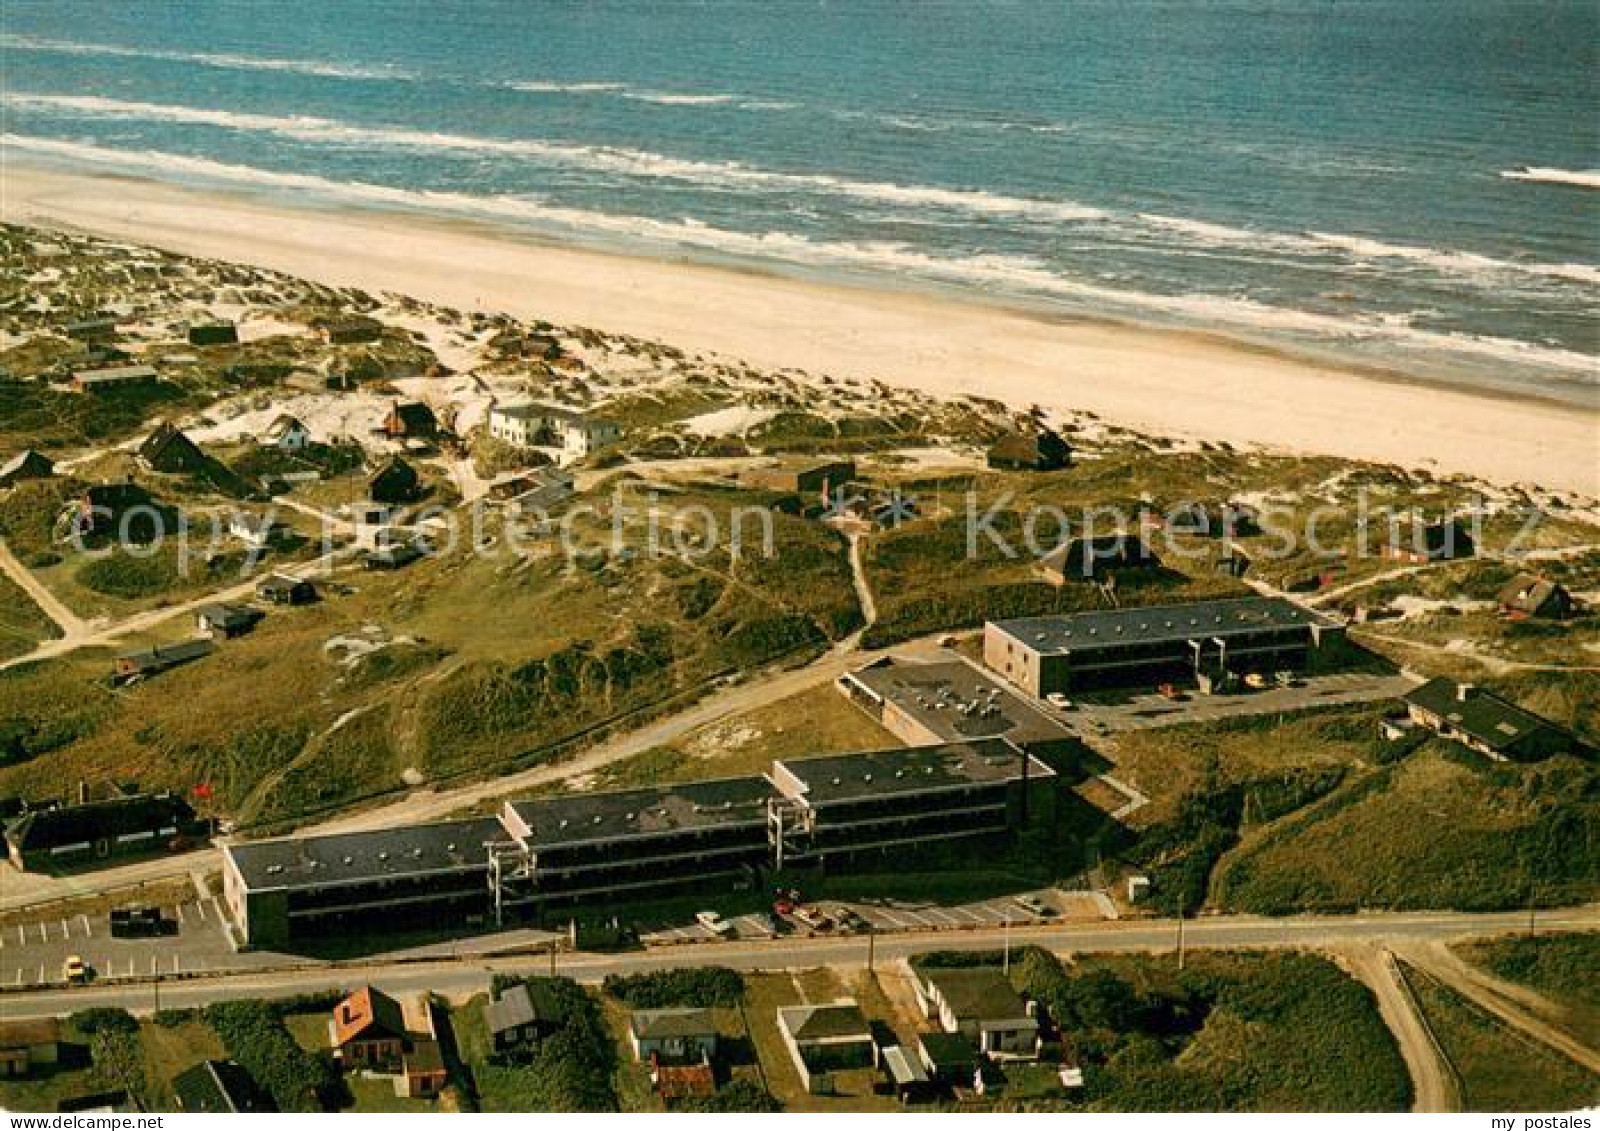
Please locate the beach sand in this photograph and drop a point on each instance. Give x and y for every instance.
(1182, 385)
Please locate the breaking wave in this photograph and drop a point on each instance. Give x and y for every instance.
(1582, 179)
(206, 59)
(1003, 275)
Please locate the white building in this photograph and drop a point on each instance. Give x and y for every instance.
(287, 434)
(576, 433)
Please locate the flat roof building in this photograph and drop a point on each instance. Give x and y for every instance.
(1134, 645)
(293, 888)
(560, 850)
(842, 805)
(926, 702)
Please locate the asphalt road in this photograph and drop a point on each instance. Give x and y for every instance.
(468, 976)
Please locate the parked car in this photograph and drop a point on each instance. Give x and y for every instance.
(73, 971)
(1033, 905)
(1286, 679)
(814, 918)
(714, 923)
(137, 922)
(1255, 681)
(1059, 701)
(847, 919)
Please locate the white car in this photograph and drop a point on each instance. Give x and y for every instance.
(1059, 701)
(1033, 905)
(714, 923)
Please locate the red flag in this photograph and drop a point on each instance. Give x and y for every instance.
(202, 791)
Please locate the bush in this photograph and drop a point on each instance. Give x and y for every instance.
(173, 1018)
(103, 1019)
(129, 577)
(738, 1095)
(700, 986)
(254, 1035)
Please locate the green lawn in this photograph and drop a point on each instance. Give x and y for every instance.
(1500, 1069)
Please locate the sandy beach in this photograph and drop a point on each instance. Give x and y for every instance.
(1166, 383)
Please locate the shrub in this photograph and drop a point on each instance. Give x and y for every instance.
(103, 1019)
(254, 1034)
(737, 1095)
(702, 986)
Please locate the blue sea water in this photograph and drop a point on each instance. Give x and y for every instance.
(1340, 178)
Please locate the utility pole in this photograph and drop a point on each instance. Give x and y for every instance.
(1005, 965)
(1180, 931)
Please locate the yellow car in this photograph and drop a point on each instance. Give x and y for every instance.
(74, 971)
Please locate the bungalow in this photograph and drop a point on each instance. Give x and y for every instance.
(27, 464)
(114, 377)
(673, 1036)
(1090, 559)
(219, 1087)
(1421, 542)
(395, 482)
(950, 1058)
(825, 1038)
(226, 621)
(371, 1032)
(394, 555)
(132, 666)
(979, 1003)
(169, 450)
(368, 1031)
(29, 1045)
(287, 434)
(352, 331)
(99, 328)
(410, 420)
(907, 1075)
(1523, 596)
(42, 838)
(1043, 450)
(213, 334)
(281, 589)
(523, 1015)
(544, 489)
(817, 478)
(1486, 723)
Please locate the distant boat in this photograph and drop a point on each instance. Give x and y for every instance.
(1546, 175)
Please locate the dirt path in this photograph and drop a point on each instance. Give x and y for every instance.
(1516, 1006)
(70, 624)
(1431, 1078)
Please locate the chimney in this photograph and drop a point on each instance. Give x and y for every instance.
(1463, 692)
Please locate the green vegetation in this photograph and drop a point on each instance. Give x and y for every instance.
(23, 626)
(1499, 1068)
(1561, 967)
(702, 986)
(1443, 828)
(736, 1095)
(1231, 1032)
(256, 1037)
(570, 1070)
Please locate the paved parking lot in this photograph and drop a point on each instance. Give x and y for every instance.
(899, 916)
(33, 952)
(1144, 712)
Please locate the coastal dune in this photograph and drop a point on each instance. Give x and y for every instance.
(1182, 385)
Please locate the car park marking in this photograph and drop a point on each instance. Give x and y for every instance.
(200, 907)
(43, 937)
(179, 910)
(88, 928)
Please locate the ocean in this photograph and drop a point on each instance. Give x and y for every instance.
(1400, 183)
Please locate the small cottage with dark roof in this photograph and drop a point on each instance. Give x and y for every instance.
(219, 1087)
(1530, 596)
(226, 620)
(141, 664)
(43, 838)
(1487, 723)
(411, 420)
(169, 450)
(673, 1036)
(1043, 450)
(27, 464)
(827, 1037)
(395, 482)
(1092, 559)
(523, 1015)
(213, 334)
(352, 331)
(1418, 542)
(29, 1045)
(281, 589)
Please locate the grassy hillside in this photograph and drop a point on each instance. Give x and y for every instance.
(1443, 828)
(1232, 1031)
(1561, 967)
(22, 623)
(1500, 1069)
